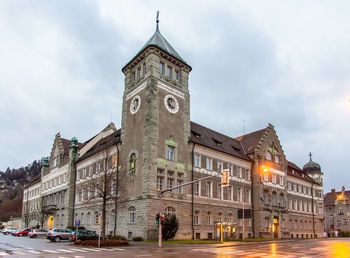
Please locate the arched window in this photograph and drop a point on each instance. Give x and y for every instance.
(132, 162)
(209, 218)
(274, 198)
(277, 159)
(170, 211)
(281, 200)
(196, 218)
(268, 156)
(132, 215)
(88, 218)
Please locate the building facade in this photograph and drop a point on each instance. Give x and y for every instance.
(337, 209)
(119, 174)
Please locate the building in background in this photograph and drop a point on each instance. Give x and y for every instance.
(337, 215)
(158, 147)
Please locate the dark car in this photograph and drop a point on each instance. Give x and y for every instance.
(84, 235)
(22, 232)
(58, 234)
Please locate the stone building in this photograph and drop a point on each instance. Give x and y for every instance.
(337, 207)
(158, 147)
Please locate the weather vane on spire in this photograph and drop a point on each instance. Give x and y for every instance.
(157, 19)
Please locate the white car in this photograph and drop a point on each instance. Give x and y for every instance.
(37, 233)
(7, 231)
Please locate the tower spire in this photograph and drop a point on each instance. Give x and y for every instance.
(157, 20)
(310, 156)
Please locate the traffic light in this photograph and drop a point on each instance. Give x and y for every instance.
(98, 219)
(157, 218)
(225, 180)
(162, 219)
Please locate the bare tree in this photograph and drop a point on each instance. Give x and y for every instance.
(101, 185)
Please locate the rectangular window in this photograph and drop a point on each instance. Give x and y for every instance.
(208, 164)
(219, 190)
(229, 167)
(239, 172)
(138, 72)
(248, 174)
(169, 71)
(196, 190)
(230, 192)
(160, 182)
(196, 161)
(171, 153)
(160, 171)
(247, 196)
(266, 177)
(239, 194)
(144, 68)
(133, 76)
(170, 182)
(84, 172)
(274, 178)
(209, 189)
(177, 75)
(181, 189)
(218, 166)
(171, 173)
(161, 67)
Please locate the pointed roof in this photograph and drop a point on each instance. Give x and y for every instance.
(157, 40)
(250, 141)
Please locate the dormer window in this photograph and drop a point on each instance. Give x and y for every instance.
(217, 142)
(133, 76)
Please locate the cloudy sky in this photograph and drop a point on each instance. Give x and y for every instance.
(254, 62)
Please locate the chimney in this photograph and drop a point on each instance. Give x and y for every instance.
(333, 191)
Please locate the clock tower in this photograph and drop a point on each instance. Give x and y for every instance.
(155, 153)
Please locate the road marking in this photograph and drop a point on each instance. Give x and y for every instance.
(142, 255)
(104, 249)
(65, 251)
(19, 252)
(78, 250)
(50, 251)
(34, 252)
(117, 249)
(91, 249)
(3, 254)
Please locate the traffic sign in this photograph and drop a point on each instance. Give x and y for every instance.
(77, 223)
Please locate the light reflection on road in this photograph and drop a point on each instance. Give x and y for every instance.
(338, 249)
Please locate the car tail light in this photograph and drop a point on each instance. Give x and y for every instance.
(73, 237)
(50, 234)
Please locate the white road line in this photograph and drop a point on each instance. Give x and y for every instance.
(91, 249)
(65, 251)
(78, 250)
(117, 249)
(104, 249)
(18, 252)
(33, 251)
(143, 255)
(3, 254)
(50, 251)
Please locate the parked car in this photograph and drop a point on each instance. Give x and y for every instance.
(58, 234)
(22, 232)
(37, 233)
(83, 234)
(7, 231)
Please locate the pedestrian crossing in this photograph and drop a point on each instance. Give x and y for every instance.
(68, 251)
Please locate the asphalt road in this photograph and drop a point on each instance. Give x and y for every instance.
(25, 247)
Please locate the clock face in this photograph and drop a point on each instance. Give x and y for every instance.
(171, 104)
(135, 104)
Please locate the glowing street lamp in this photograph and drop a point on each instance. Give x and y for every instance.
(340, 197)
